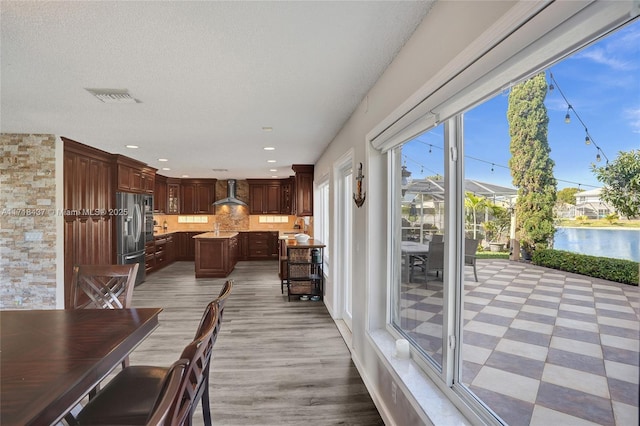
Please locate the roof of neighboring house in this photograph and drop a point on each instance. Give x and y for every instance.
(591, 192)
(435, 188)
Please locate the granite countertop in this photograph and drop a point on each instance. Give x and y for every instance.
(163, 233)
(282, 234)
(217, 235)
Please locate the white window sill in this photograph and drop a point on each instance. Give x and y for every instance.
(423, 393)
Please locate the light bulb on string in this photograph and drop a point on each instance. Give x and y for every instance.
(567, 118)
(587, 140)
(492, 167)
(598, 158)
(430, 148)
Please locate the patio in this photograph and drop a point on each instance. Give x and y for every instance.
(540, 346)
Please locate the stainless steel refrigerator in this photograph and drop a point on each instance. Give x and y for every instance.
(130, 231)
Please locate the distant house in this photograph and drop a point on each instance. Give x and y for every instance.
(588, 203)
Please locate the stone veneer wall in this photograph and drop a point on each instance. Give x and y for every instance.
(27, 205)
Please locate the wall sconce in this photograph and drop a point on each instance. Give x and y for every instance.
(359, 199)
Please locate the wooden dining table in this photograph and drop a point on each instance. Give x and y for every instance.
(51, 359)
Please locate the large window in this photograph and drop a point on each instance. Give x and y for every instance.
(419, 214)
(519, 343)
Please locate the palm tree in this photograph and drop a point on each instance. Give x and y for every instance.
(475, 203)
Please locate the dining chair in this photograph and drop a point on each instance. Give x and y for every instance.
(203, 391)
(103, 286)
(470, 249)
(435, 259)
(134, 395)
(437, 238)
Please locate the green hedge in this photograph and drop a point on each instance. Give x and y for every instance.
(618, 270)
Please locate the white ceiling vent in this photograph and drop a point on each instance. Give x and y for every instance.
(114, 96)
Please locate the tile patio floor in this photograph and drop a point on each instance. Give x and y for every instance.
(540, 346)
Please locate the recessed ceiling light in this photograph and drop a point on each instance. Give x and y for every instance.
(166, 168)
(185, 176)
(273, 170)
(274, 176)
(267, 129)
(271, 161)
(162, 159)
(220, 170)
(269, 148)
(132, 146)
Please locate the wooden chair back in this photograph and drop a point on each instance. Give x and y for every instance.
(169, 394)
(221, 300)
(198, 353)
(103, 286)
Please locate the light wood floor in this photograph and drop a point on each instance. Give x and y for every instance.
(275, 362)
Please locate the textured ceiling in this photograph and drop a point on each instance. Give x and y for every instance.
(209, 76)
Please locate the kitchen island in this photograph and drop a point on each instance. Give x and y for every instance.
(216, 254)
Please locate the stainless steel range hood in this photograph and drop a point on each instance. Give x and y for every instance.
(231, 196)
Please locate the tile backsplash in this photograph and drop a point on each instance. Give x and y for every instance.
(229, 221)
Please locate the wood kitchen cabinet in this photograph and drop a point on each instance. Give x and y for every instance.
(185, 246)
(170, 252)
(287, 187)
(262, 245)
(197, 196)
(265, 196)
(303, 189)
(216, 254)
(133, 176)
(160, 252)
(88, 188)
(160, 195)
(173, 196)
(243, 246)
(149, 257)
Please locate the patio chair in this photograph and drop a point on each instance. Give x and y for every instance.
(470, 249)
(435, 260)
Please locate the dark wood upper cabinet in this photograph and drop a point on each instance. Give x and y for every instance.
(197, 196)
(303, 189)
(160, 194)
(287, 196)
(133, 175)
(265, 196)
(173, 196)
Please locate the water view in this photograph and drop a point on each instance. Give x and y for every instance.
(616, 243)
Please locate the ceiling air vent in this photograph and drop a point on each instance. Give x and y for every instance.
(114, 96)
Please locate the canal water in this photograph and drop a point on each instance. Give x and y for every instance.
(604, 242)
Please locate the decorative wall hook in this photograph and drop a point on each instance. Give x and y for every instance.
(359, 199)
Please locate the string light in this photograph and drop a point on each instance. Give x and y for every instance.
(588, 139)
(493, 166)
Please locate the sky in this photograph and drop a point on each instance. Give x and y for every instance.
(602, 84)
